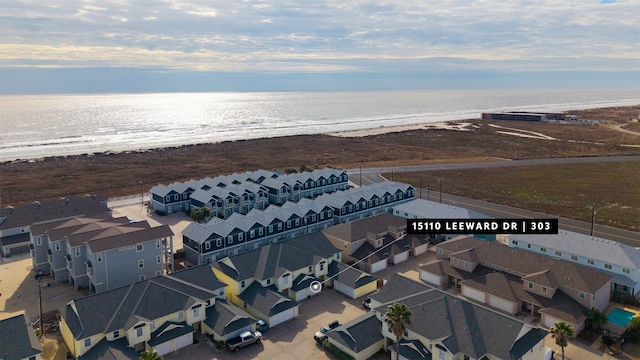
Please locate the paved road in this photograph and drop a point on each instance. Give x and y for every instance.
(366, 176)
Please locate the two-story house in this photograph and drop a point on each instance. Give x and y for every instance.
(159, 314)
(620, 260)
(15, 222)
(376, 241)
(308, 184)
(447, 327)
(269, 282)
(515, 280)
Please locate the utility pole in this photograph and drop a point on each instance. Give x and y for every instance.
(420, 186)
(440, 182)
(593, 218)
(427, 191)
(141, 195)
(360, 182)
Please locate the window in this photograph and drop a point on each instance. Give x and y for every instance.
(322, 266)
(528, 246)
(440, 252)
(139, 331)
(207, 245)
(260, 231)
(140, 264)
(626, 271)
(230, 239)
(582, 295)
(158, 243)
(139, 247)
(590, 261)
(158, 259)
(574, 257)
(310, 269)
(285, 279)
(219, 242)
(530, 284)
(279, 226)
(196, 310)
(240, 236)
(158, 273)
(39, 240)
(87, 342)
(180, 316)
(466, 264)
(252, 233)
(143, 278)
(544, 290)
(268, 281)
(116, 334)
(455, 261)
(544, 250)
(99, 258)
(607, 266)
(57, 246)
(558, 253)
(77, 251)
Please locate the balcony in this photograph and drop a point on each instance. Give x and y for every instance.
(69, 263)
(90, 271)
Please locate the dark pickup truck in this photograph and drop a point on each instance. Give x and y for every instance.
(244, 339)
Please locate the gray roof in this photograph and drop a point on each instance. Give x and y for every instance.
(608, 251)
(426, 209)
(169, 331)
(358, 334)
(358, 229)
(35, 213)
(17, 339)
(111, 350)
(224, 318)
(349, 276)
(268, 301)
(462, 326)
(340, 198)
(523, 263)
(273, 260)
(224, 180)
(412, 350)
(121, 236)
(123, 307)
(199, 276)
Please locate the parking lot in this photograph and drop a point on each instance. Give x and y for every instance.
(290, 340)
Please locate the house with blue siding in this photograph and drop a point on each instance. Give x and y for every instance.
(104, 253)
(207, 243)
(308, 184)
(176, 196)
(224, 201)
(16, 222)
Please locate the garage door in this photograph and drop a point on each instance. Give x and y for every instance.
(282, 317)
(375, 267)
(184, 340)
(163, 348)
(401, 257)
(235, 333)
(301, 295)
(501, 304)
(343, 288)
(430, 278)
(473, 294)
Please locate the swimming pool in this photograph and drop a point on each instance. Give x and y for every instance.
(620, 317)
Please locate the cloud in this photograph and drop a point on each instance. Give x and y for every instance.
(323, 35)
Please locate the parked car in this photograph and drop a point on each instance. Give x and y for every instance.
(367, 303)
(330, 326)
(262, 326)
(245, 338)
(319, 337)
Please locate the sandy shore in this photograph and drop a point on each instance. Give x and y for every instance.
(460, 125)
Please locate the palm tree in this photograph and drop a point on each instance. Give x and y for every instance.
(562, 332)
(596, 318)
(397, 317)
(150, 355)
(608, 341)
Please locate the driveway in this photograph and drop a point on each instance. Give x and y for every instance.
(290, 340)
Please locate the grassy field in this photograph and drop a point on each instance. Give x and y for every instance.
(566, 190)
(116, 174)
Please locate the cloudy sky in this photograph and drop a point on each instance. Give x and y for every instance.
(142, 45)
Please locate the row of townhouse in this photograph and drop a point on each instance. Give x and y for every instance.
(160, 314)
(514, 280)
(269, 282)
(101, 253)
(176, 196)
(620, 260)
(15, 222)
(219, 238)
(443, 327)
(224, 195)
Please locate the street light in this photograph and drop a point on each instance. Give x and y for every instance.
(593, 218)
(440, 182)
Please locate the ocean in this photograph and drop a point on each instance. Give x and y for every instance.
(36, 126)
